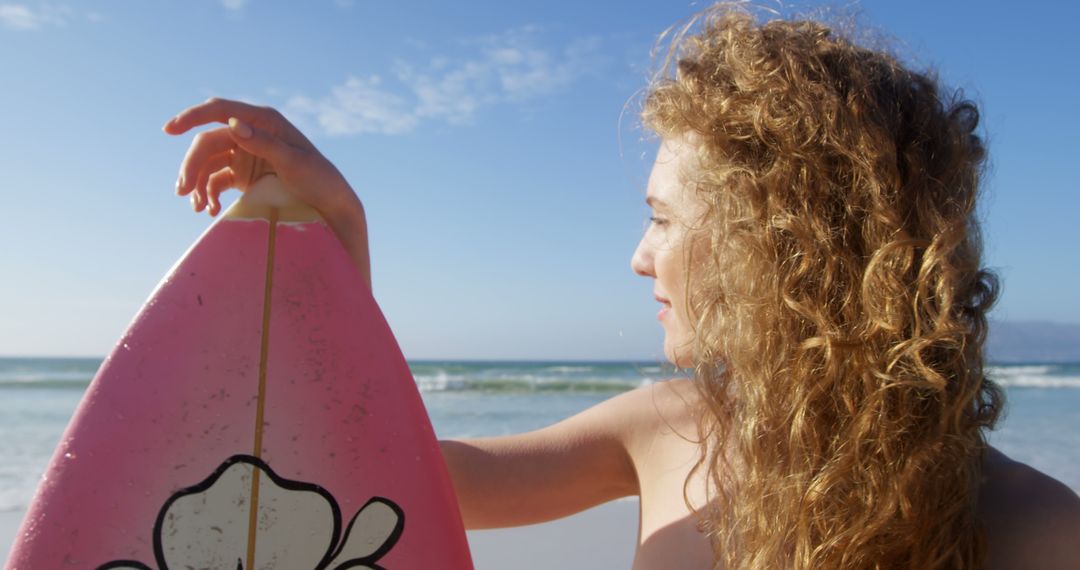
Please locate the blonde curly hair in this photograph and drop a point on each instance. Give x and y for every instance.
(840, 309)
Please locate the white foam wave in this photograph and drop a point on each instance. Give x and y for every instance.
(568, 369)
(439, 382)
(1035, 376)
(1035, 369)
(1031, 381)
(31, 376)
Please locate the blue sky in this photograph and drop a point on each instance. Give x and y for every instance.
(494, 145)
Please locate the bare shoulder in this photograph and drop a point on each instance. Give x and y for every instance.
(1032, 520)
(657, 410)
(658, 402)
(634, 416)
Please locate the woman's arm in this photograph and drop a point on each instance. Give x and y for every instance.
(349, 223)
(552, 472)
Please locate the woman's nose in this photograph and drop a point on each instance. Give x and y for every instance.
(641, 262)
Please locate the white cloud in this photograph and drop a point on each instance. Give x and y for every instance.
(22, 17)
(453, 94)
(17, 17)
(504, 68)
(233, 4)
(359, 106)
(525, 71)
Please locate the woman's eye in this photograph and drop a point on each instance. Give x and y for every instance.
(657, 221)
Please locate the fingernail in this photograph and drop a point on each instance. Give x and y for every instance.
(240, 128)
(179, 183)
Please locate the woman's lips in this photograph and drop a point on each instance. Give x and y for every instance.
(664, 310)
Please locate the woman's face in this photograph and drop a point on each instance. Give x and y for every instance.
(661, 254)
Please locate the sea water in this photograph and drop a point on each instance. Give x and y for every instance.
(464, 399)
(477, 398)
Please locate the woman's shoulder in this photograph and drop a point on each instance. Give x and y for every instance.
(1032, 520)
(655, 413)
(656, 403)
(655, 400)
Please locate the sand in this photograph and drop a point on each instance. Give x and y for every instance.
(600, 538)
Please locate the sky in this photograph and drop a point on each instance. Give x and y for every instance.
(494, 144)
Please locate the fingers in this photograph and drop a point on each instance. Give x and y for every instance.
(212, 165)
(277, 153)
(219, 182)
(212, 155)
(198, 202)
(212, 110)
(256, 140)
(220, 110)
(205, 145)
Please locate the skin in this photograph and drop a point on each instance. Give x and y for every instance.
(662, 253)
(643, 442)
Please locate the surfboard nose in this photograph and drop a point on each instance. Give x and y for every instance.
(269, 193)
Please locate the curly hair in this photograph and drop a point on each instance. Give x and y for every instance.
(840, 307)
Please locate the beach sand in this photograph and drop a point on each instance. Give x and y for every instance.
(603, 537)
(599, 538)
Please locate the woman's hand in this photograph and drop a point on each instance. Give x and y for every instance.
(223, 158)
(256, 140)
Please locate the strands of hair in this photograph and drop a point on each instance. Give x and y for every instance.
(840, 307)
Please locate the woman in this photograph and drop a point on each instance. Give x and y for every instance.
(815, 250)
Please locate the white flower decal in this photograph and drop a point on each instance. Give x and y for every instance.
(298, 525)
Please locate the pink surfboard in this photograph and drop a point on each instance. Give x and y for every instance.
(257, 413)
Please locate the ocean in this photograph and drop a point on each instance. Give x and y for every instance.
(465, 399)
